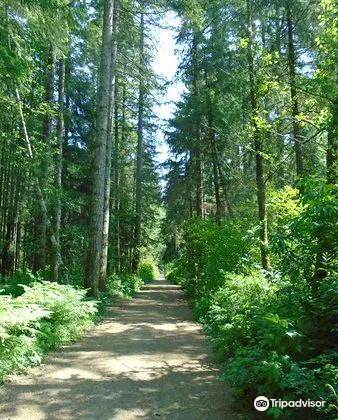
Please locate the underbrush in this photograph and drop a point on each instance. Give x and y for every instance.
(37, 315)
(44, 316)
(260, 332)
(123, 286)
(147, 271)
(273, 332)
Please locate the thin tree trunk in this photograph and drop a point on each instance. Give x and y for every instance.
(110, 134)
(219, 178)
(58, 172)
(332, 145)
(214, 162)
(117, 183)
(66, 117)
(293, 93)
(198, 154)
(92, 272)
(7, 256)
(257, 146)
(139, 159)
(40, 196)
(223, 184)
(41, 217)
(123, 247)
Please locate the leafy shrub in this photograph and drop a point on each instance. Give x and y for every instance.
(70, 313)
(208, 250)
(262, 349)
(147, 271)
(235, 308)
(273, 332)
(124, 285)
(261, 340)
(19, 327)
(45, 315)
(14, 285)
(313, 234)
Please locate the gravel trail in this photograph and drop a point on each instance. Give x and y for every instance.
(147, 360)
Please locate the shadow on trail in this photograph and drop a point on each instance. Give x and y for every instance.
(149, 361)
(169, 393)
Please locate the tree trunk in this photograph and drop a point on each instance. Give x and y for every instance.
(292, 62)
(214, 162)
(41, 217)
(58, 169)
(117, 183)
(139, 159)
(332, 145)
(92, 272)
(197, 152)
(324, 245)
(40, 197)
(110, 132)
(257, 146)
(122, 252)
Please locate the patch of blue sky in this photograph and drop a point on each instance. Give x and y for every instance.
(165, 65)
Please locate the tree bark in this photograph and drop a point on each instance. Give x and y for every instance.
(110, 135)
(139, 158)
(92, 272)
(58, 169)
(292, 62)
(263, 230)
(40, 197)
(117, 183)
(41, 217)
(214, 162)
(332, 145)
(197, 152)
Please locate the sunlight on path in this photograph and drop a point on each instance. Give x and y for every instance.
(148, 360)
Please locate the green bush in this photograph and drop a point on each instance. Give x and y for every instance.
(45, 315)
(313, 234)
(147, 271)
(274, 332)
(208, 250)
(124, 285)
(14, 285)
(261, 348)
(235, 308)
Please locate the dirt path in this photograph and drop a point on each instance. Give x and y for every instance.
(148, 361)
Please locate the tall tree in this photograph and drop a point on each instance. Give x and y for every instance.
(41, 217)
(99, 148)
(140, 151)
(197, 152)
(292, 63)
(258, 144)
(110, 137)
(58, 170)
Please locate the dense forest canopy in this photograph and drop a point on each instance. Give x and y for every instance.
(51, 70)
(247, 218)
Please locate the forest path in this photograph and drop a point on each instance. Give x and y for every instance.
(147, 360)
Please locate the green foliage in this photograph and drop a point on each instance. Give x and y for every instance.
(44, 316)
(209, 250)
(262, 350)
(15, 284)
(234, 308)
(283, 206)
(147, 271)
(311, 235)
(272, 331)
(124, 285)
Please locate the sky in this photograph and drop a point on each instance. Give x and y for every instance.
(166, 64)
